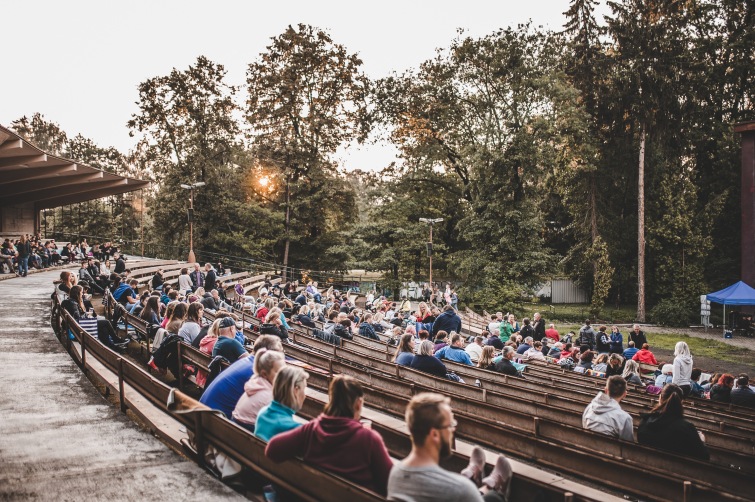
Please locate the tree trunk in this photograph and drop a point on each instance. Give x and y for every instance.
(288, 239)
(641, 230)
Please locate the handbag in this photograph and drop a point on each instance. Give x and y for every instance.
(89, 324)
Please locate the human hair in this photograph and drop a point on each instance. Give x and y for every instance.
(447, 308)
(538, 345)
(194, 312)
(273, 315)
(526, 321)
(631, 368)
(440, 335)
(602, 329)
(682, 349)
(269, 342)
(645, 346)
(507, 350)
(587, 356)
(695, 375)
(743, 380)
(615, 360)
(455, 337)
(265, 360)
(170, 308)
(486, 357)
(630, 344)
(426, 348)
(423, 414)
(601, 358)
(179, 312)
(726, 379)
(269, 303)
(344, 391)
(184, 271)
(334, 313)
(173, 295)
(403, 345)
(65, 276)
(423, 334)
(152, 305)
(76, 295)
(288, 379)
(478, 339)
(616, 386)
(670, 402)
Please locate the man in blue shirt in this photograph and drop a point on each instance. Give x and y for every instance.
(524, 347)
(454, 352)
(224, 392)
(630, 351)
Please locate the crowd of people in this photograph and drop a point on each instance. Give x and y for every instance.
(262, 391)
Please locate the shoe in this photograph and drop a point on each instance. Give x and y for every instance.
(476, 467)
(500, 479)
(152, 364)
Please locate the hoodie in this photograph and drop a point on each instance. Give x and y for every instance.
(274, 419)
(604, 415)
(339, 445)
(673, 434)
(258, 393)
(682, 370)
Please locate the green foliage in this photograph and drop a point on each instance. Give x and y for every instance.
(494, 295)
(603, 273)
(675, 311)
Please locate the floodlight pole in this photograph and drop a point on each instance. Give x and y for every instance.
(192, 258)
(431, 222)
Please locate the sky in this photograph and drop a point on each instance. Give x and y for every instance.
(79, 62)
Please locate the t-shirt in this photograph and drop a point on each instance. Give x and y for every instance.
(429, 484)
(224, 392)
(230, 348)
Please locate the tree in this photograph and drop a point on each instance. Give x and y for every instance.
(189, 134)
(307, 97)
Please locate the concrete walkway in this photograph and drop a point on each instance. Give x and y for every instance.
(59, 438)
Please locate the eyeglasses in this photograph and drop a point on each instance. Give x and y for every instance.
(451, 426)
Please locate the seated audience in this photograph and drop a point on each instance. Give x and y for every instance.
(151, 311)
(742, 394)
(289, 392)
(665, 427)
(486, 358)
(258, 391)
(604, 414)
(721, 391)
(696, 389)
(337, 442)
(75, 306)
(224, 392)
(615, 365)
(534, 353)
(505, 365)
(205, 342)
(426, 362)
(193, 322)
(645, 356)
(419, 478)
(552, 333)
(631, 373)
(180, 311)
(527, 345)
(405, 351)
(494, 340)
(474, 349)
(454, 352)
(630, 351)
(666, 375)
(227, 345)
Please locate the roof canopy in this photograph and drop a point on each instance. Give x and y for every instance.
(28, 174)
(736, 294)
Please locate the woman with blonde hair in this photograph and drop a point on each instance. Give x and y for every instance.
(273, 324)
(632, 372)
(682, 375)
(423, 312)
(206, 345)
(258, 390)
(336, 441)
(289, 392)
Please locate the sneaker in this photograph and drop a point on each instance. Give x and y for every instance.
(476, 467)
(500, 479)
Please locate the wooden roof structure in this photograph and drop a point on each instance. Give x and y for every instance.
(29, 174)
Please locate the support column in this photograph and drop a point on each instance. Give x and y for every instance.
(747, 187)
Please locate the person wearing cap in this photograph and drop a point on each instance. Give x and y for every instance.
(227, 345)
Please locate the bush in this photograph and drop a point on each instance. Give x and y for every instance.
(676, 312)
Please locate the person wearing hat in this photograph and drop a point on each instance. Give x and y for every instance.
(227, 345)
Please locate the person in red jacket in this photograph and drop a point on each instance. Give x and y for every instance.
(337, 442)
(645, 356)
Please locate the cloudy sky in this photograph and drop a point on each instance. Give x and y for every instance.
(79, 62)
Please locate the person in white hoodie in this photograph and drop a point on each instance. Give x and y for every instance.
(604, 414)
(258, 390)
(682, 375)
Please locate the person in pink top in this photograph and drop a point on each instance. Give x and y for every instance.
(645, 356)
(337, 442)
(258, 390)
(206, 344)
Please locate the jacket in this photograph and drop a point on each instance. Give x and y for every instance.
(682, 370)
(447, 321)
(429, 364)
(274, 419)
(673, 434)
(455, 354)
(258, 393)
(340, 445)
(646, 357)
(604, 415)
(366, 330)
(720, 393)
(743, 396)
(602, 342)
(586, 337)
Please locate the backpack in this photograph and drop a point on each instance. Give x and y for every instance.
(166, 356)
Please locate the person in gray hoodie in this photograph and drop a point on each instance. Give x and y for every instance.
(604, 414)
(682, 368)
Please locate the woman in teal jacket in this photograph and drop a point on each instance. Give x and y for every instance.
(289, 391)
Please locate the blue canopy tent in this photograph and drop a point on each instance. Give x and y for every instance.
(736, 294)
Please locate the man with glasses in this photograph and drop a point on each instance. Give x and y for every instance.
(419, 478)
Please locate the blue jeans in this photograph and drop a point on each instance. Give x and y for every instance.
(23, 265)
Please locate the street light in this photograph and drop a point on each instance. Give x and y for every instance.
(431, 222)
(191, 188)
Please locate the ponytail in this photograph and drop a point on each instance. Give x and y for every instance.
(670, 402)
(344, 392)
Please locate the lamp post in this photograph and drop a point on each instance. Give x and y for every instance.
(191, 188)
(431, 222)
